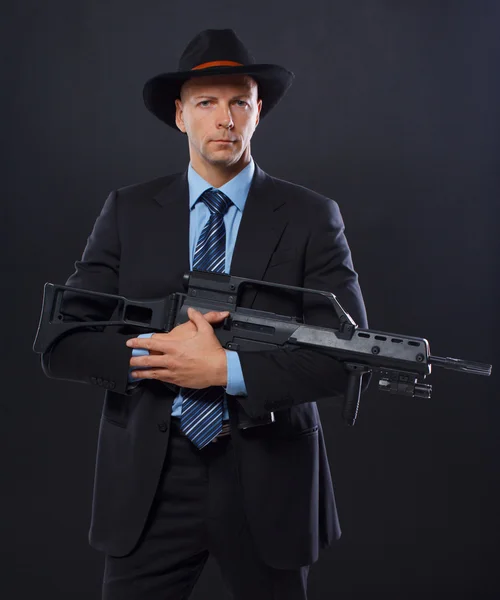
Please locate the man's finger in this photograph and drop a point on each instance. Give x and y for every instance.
(215, 316)
(151, 361)
(196, 317)
(161, 345)
(154, 373)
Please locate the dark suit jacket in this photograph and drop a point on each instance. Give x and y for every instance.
(139, 248)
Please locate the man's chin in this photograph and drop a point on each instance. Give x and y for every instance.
(222, 161)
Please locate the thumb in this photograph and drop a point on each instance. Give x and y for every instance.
(215, 316)
(196, 317)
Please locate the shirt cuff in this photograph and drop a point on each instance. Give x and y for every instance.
(139, 352)
(235, 382)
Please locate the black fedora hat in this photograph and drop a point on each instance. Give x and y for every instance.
(215, 52)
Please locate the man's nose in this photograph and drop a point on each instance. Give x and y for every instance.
(225, 118)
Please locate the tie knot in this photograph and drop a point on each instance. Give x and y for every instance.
(216, 201)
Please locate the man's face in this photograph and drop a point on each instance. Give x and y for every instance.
(219, 114)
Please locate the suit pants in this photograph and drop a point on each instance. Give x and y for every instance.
(198, 511)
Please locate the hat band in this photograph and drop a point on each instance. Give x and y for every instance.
(217, 63)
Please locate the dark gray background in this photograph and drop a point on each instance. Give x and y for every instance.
(394, 114)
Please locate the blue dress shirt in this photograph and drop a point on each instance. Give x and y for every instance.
(237, 190)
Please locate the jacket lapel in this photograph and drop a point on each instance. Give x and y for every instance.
(262, 225)
(169, 227)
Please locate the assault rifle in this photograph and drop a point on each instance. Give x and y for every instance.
(403, 362)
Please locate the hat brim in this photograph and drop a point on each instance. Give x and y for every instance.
(161, 91)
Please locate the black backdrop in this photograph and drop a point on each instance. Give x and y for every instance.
(393, 113)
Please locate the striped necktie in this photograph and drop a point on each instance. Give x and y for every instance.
(202, 410)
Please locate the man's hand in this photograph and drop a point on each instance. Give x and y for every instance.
(189, 356)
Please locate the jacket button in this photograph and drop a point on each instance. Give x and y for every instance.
(111, 385)
(99, 381)
(163, 426)
(93, 380)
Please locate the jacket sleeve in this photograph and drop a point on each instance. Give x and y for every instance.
(283, 378)
(89, 356)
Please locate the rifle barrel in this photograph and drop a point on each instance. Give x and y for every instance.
(457, 364)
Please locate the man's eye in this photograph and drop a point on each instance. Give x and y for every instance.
(241, 103)
(204, 103)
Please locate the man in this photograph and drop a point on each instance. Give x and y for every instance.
(203, 450)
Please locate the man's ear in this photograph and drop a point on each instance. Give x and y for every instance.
(179, 121)
(259, 108)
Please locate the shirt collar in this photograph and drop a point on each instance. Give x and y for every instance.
(236, 189)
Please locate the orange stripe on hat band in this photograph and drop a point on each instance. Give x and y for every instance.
(217, 63)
